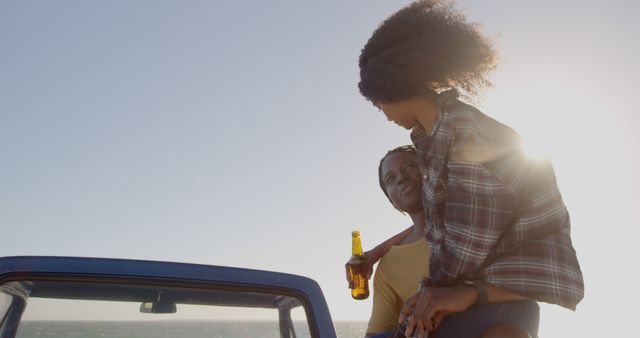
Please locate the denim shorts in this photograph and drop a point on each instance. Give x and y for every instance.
(472, 323)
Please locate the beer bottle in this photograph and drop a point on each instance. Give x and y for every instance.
(358, 268)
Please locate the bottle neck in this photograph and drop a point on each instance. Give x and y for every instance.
(356, 247)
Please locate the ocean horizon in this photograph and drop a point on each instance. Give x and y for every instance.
(175, 329)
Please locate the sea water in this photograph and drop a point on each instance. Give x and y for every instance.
(175, 329)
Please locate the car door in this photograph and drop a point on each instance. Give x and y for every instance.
(97, 297)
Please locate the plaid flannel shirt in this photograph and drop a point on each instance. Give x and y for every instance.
(492, 213)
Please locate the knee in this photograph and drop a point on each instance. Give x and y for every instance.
(505, 331)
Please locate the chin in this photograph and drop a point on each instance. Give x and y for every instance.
(409, 126)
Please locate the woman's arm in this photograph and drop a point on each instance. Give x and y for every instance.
(430, 305)
(374, 255)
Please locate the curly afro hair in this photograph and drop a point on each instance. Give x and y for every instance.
(423, 49)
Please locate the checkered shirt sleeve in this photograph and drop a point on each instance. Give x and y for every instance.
(493, 213)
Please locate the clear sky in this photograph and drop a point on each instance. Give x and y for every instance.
(232, 133)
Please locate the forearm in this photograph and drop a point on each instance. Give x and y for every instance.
(496, 294)
(381, 249)
(478, 292)
(431, 304)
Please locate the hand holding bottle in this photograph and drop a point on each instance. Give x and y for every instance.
(374, 255)
(358, 269)
(369, 267)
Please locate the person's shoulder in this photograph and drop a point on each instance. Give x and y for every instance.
(398, 253)
(478, 138)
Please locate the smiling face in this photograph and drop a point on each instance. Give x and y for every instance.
(402, 181)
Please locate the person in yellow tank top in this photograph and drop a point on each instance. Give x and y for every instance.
(396, 279)
(403, 258)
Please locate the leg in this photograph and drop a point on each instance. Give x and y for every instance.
(505, 331)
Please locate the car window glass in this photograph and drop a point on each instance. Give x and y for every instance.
(61, 309)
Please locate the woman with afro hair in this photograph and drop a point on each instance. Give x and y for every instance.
(497, 227)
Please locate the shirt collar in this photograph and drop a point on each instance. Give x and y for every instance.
(442, 99)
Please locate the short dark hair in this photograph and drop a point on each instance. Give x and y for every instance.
(424, 48)
(405, 149)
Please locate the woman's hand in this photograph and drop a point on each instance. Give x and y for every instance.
(374, 255)
(427, 308)
(369, 261)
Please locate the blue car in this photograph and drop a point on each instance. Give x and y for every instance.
(51, 297)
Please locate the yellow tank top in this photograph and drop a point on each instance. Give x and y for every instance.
(395, 280)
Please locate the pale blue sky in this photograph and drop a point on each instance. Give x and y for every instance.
(232, 133)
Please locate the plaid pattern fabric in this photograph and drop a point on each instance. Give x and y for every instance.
(492, 213)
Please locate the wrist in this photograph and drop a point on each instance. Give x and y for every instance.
(371, 255)
(479, 290)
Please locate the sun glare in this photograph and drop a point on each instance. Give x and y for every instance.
(567, 125)
(537, 146)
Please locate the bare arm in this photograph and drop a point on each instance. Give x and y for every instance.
(431, 304)
(373, 256)
(381, 249)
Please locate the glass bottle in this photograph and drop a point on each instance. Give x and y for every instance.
(358, 268)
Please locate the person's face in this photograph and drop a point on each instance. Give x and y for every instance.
(401, 177)
(403, 113)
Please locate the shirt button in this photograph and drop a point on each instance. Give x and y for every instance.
(424, 176)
